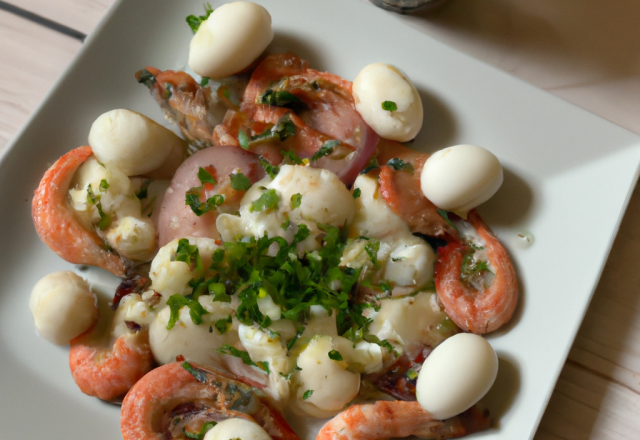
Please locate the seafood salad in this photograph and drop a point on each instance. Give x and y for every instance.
(285, 256)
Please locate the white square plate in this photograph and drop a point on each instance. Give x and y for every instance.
(568, 176)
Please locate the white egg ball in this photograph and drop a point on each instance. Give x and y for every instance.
(456, 375)
(233, 36)
(461, 177)
(63, 307)
(237, 428)
(379, 82)
(131, 142)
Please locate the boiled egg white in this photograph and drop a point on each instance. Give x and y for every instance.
(379, 83)
(63, 307)
(457, 374)
(131, 142)
(461, 177)
(233, 36)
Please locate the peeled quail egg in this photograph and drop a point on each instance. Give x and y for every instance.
(388, 101)
(131, 142)
(237, 428)
(456, 375)
(460, 178)
(63, 307)
(233, 36)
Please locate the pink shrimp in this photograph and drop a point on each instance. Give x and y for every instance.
(385, 419)
(108, 373)
(58, 227)
(478, 310)
(182, 397)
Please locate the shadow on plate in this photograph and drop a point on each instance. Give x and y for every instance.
(502, 394)
(439, 129)
(284, 42)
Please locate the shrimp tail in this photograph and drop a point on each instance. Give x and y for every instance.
(58, 227)
(477, 311)
(109, 374)
(390, 419)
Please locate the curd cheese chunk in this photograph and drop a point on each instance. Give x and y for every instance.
(63, 307)
(237, 428)
(233, 36)
(457, 374)
(132, 142)
(380, 83)
(461, 177)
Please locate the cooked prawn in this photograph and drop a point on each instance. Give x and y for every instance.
(401, 190)
(59, 228)
(109, 372)
(390, 419)
(181, 397)
(477, 310)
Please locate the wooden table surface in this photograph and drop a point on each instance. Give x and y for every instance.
(585, 51)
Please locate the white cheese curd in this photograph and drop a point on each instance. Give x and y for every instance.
(131, 308)
(233, 36)
(373, 217)
(404, 259)
(63, 307)
(197, 343)
(461, 177)
(409, 320)
(169, 276)
(325, 200)
(132, 142)
(379, 82)
(237, 428)
(456, 375)
(98, 187)
(327, 384)
(262, 348)
(134, 238)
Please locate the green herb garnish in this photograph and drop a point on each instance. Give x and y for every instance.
(240, 182)
(335, 355)
(357, 193)
(400, 165)
(271, 170)
(267, 200)
(147, 78)
(194, 21)
(389, 106)
(199, 375)
(307, 394)
(280, 98)
(205, 176)
(244, 357)
(222, 325)
(296, 200)
(177, 302)
(199, 435)
(325, 150)
(372, 249)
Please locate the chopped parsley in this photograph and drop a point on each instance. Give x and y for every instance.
(222, 325)
(199, 435)
(445, 215)
(325, 150)
(357, 193)
(192, 199)
(411, 374)
(194, 21)
(371, 165)
(268, 200)
(335, 355)
(205, 176)
(243, 139)
(188, 253)
(293, 340)
(389, 106)
(177, 302)
(244, 357)
(289, 157)
(296, 200)
(104, 185)
(94, 199)
(372, 249)
(307, 394)
(288, 376)
(240, 182)
(144, 188)
(204, 81)
(199, 375)
(280, 98)
(271, 170)
(400, 165)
